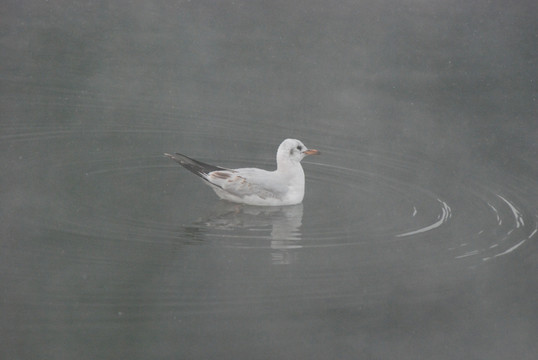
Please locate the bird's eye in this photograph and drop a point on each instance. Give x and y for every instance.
(299, 147)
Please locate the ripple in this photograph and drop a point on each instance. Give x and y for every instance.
(443, 217)
(376, 199)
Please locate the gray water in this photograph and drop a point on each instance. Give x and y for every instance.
(417, 238)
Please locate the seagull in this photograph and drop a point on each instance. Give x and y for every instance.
(252, 186)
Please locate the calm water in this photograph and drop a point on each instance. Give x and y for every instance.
(417, 238)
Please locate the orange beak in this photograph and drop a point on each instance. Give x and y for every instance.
(311, 152)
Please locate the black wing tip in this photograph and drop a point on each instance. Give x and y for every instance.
(180, 159)
(170, 156)
(195, 166)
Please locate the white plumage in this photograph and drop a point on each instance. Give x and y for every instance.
(252, 186)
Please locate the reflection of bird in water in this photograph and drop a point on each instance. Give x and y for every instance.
(281, 224)
(283, 186)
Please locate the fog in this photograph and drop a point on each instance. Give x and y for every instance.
(417, 235)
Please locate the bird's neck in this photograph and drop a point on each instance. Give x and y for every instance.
(290, 168)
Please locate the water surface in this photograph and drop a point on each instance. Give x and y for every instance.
(418, 234)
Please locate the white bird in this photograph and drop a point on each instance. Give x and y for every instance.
(283, 186)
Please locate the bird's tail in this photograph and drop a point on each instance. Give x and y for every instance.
(196, 167)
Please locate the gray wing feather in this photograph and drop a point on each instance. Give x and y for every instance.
(245, 182)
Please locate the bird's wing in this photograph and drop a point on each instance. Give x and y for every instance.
(239, 182)
(248, 182)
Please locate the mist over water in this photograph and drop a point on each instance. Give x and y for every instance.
(417, 235)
